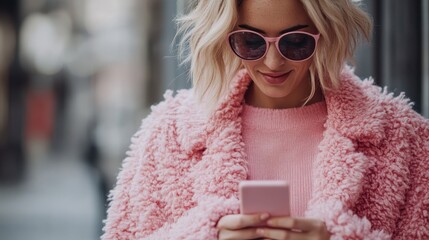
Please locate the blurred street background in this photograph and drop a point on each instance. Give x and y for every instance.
(77, 77)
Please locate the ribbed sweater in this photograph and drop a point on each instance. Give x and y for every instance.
(282, 144)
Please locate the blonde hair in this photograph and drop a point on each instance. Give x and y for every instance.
(341, 24)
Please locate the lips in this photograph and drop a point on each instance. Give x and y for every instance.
(275, 78)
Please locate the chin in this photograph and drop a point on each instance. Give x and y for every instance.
(275, 94)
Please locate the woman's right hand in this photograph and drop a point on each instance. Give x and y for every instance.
(239, 226)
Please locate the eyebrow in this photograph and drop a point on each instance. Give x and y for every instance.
(294, 28)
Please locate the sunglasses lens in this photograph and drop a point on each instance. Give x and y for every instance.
(297, 46)
(247, 45)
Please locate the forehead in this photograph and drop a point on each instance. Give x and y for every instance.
(273, 16)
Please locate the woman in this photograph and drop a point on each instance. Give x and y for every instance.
(273, 99)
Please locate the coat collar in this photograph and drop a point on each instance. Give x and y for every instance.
(352, 110)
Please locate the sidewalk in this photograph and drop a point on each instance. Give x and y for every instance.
(59, 200)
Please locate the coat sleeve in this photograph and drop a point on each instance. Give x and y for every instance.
(133, 215)
(414, 222)
(198, 222)
(136, 204)
(342, 223)
(120, 222)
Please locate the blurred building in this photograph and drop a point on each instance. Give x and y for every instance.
(398, 55)
(11, 97)
(76, 78)
(75, 74)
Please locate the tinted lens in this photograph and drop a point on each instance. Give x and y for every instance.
(297, 46)
(247, 45)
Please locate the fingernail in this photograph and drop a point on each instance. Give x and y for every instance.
(264, 216)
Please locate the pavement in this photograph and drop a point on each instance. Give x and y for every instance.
(58, 200)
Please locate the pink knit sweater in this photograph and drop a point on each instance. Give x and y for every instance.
(281, 144)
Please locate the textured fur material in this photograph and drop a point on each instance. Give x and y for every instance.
(371, 176)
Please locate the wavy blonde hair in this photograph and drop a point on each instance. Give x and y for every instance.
(341, 24)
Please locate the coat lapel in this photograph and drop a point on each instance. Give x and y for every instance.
(223, 163)
(354, 118)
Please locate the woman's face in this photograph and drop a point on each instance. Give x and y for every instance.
(278, 82)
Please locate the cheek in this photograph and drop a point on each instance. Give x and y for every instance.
(302, 67)
(250, 66)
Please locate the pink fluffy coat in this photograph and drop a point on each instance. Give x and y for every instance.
(370, 177)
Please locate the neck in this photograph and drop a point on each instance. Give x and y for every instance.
(256, 98)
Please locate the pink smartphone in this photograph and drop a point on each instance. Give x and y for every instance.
(264, 197)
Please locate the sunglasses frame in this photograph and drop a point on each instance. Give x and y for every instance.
(274, 40)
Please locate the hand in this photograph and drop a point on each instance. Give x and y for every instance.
(294, 228)
(240, 226)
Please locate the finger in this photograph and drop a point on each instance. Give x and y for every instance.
(281, 234)
(247, 233)
(239, 221)
(303, 224)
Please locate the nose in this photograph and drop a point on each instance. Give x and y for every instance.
(273, 59)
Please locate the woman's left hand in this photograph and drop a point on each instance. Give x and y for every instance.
(294, 228)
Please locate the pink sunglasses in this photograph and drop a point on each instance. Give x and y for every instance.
(250, 45)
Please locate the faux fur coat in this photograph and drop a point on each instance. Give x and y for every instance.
(370, 177)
